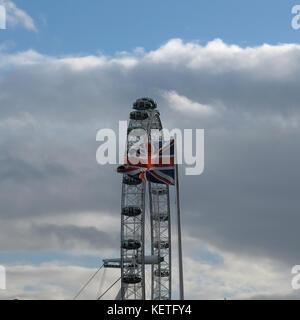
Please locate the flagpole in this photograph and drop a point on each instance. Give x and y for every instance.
(181, 287)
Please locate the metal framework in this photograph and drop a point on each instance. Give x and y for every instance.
(133, 260)
(161, 241)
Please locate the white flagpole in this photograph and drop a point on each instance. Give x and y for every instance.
(181, 287)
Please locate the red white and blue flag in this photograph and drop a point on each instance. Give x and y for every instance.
(152, 164)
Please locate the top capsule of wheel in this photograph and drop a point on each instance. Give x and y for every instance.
(144, 104)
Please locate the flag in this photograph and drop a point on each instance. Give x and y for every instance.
(152, 165)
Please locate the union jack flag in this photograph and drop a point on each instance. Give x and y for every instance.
(150, 164)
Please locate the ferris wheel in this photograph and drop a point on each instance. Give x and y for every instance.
(137, 197)
(145, 202)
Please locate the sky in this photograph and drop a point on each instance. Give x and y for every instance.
(88, 27)
(68, 69)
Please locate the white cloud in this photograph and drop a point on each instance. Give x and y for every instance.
(215, 58)
(16, 16)
(236, 277)
(188, 107)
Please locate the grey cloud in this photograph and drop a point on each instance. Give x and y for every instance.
(33, 236)
(247, 197)
(292, 296)
(68, 235)
(21, 172)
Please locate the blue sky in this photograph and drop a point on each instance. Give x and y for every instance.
(87, 27)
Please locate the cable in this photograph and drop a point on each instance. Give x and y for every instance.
(108, 289)
(101, 282)
(91, 278)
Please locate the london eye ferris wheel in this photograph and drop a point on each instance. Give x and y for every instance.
(141, 193)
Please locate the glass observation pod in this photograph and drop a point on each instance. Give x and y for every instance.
(144, 104)
(161, 244)
(162, 273)
(131, 244)
(160, 217)
(132, 265)
(160, 191)
(131, 180)
(139, 115)
(131, 211)
(131, 279)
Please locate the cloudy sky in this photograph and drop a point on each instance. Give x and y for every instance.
(68, 69)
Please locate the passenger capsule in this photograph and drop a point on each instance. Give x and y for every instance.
(144, 104)
(163, 273)
(131, 181)
(138, 115)
(131, 244)
(161, 217)
(132, 265)
(131, 279)
(159, 191)
(131, 211)
(161, 244)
